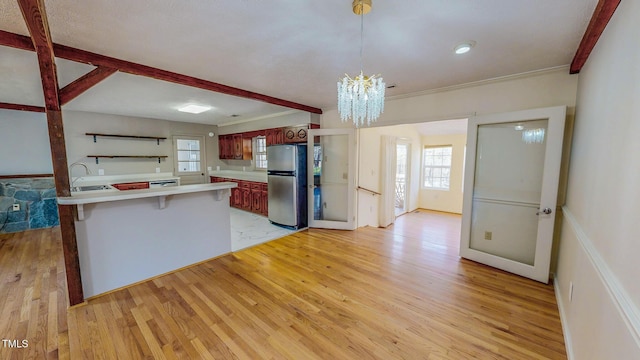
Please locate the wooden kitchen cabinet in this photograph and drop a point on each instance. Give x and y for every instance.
(236, 198)
(274, 136)
(264, 209)
(225, 147)
(256, 201)
(249, 195)
(132, 185)
(247, 148)
(245, 191)
(236, 140)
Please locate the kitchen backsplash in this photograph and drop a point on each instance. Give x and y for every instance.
(37, 200)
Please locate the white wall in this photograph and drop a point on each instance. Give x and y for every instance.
(369, 169)
(449, 201)
(599, 247)
(24, 143)
(79, 145)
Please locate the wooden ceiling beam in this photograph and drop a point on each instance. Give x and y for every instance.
(33, 13)
(69, 53)
(84, 83)
(21, 107)
(86, 57)
(35, 17)
(16, 41)
(601, 16)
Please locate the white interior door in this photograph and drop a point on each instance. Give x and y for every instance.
(189, 157)
(331, 178)
(511, 185)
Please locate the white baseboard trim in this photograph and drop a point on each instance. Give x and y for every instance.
(621, 299)
(564, 321)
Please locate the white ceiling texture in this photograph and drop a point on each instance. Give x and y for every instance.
(289, 49)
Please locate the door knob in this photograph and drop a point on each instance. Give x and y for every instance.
(545, 211)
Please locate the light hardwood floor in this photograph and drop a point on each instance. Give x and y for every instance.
(396, 293)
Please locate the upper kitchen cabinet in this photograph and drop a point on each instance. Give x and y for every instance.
(234, 147)
(274, 136)
(225, 147)
(239, 146)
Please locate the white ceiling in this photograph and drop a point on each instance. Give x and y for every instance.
(294, 50)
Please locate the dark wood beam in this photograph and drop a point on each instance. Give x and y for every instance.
(21, 107)
(86, 57)
(69, 53)
(16, 41)
(25, 176)
(84, 83)
(35, 17)
(601, 16)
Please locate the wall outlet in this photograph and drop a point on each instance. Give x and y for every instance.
(16, 207)
(488, 235)
(157, 169)
(100, 171)
(570, 291)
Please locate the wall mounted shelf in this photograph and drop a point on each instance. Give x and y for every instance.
(159, 157)
(156, 138)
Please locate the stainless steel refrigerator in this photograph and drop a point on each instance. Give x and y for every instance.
(287, 185)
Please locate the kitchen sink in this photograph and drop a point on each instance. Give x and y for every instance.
(91, 187)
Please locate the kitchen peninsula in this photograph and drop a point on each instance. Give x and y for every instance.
(129, 236)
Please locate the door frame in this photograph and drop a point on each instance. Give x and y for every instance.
(203, 156)
(407, 178)
(350, 224)
(550, 181)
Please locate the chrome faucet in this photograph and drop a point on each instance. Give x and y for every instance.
(86, 170)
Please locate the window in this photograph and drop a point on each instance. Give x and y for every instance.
(260, 155)
(437, 167)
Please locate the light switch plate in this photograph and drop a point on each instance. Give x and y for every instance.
(157, 169)
(16, 207)
(100, 171)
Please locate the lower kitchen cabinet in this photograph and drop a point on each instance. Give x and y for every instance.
(245, 189)
(265, 202)
(249, 195)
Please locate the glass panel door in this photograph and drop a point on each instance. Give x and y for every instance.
(507, 189)
(189, 159)
(331, 159)
(511, 185)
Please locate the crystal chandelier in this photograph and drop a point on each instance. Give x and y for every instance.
(361, 98)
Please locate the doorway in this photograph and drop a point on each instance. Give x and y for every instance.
(403, 176)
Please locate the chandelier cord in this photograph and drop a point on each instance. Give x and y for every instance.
(361, 33)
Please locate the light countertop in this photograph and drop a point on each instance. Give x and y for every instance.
(116, 179)
(99, 196)
(258, 176)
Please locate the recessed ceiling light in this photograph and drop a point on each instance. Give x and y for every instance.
(464, 47)
(194, 109)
